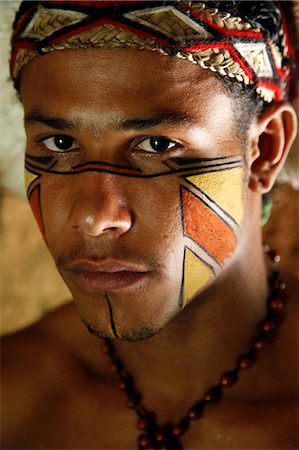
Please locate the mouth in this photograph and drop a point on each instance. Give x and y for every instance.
(106, 275)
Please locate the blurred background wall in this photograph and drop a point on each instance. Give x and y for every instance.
(30, 284)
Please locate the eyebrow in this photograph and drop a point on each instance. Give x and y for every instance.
(53, 122)
(129, 124)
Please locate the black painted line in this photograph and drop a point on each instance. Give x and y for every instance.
(111, 316)
(185, 172)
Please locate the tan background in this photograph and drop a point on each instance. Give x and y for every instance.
(31, 285)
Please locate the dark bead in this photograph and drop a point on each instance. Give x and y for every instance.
(259, 342)
(245, 361)
(130, 403)
(268, 325)
(160, 436)
(228, 379)
(122, 385)
(177, 430)
(144, 440)
(196, 411)
(214, 395)
(274, 256)
(193, 414)
(106, 348)
(281, 285)
(181, 427)
(113, 367)
(142, 424)
(276, 303)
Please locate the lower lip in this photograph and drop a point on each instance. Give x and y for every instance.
(107, 281)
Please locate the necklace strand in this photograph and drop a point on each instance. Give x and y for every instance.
(153, 436)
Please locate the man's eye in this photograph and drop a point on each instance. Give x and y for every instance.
(156, 144)
(60, 143)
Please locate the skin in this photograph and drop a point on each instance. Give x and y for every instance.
(62, 406)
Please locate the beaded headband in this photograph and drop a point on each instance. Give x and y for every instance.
(191, 30)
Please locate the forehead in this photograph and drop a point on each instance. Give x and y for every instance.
(121, 82)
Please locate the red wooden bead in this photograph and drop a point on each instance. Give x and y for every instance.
(245, 361)
(142, 424)
(196, 411)
(144, 440)
(259, 343)
(122, 385)
(276, 303)
(274, 256)
(160, 436)
(268, 325)
(228, 379)
(105, 348)
(213, 395)
(130, 404)
(280, 285)
(193, 414)
(113, 367)
(177, 430)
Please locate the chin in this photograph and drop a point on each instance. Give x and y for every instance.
(125, 317)
(102, 323)
(140, 333)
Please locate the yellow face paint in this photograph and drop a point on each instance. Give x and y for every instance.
(224, 188)
(212, 204)
(29, 178)
(196, 275)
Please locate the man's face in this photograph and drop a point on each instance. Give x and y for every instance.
(135, 176)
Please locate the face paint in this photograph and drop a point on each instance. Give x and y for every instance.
(113, 327)
(178, 199)
(210, 216)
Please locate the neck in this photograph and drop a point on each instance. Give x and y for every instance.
(203, 341)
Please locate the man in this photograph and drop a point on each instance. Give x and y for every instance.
(145, 171)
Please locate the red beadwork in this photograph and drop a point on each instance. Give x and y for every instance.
(276, 303)
(113, 367)
(280, 285)
(268, 325)
(153, 436)
(122, 385)
(196, 411)
(144, 440)
(213, 395)
(105, 348)
(259, 342)
(228, 379)
(274, 256)
(130, 404)
(177, 430)
(142, 424)
(160, 436)
(246, 361)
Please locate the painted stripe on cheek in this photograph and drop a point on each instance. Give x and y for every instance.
(34, 201)
(207, 229)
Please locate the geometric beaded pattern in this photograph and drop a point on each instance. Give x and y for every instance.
(211, 38)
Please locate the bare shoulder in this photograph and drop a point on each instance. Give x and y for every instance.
(39, 363)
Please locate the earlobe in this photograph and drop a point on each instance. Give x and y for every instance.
(271, 138)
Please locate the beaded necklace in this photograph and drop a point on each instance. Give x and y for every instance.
(167, 437)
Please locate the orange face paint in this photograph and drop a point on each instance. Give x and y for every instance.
(207, 229)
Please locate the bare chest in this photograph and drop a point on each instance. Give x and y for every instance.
(102, 421)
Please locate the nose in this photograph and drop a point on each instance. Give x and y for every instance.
(99, 208)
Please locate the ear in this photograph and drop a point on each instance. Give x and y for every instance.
(271, 137)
